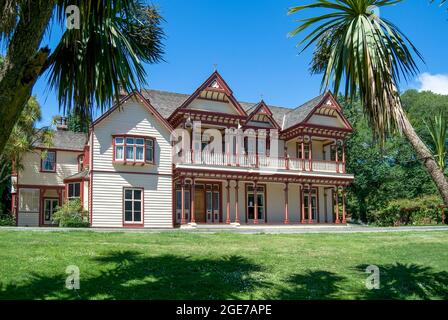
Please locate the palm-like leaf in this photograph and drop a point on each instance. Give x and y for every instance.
(439, 133)
(360, 53)
(92, 63)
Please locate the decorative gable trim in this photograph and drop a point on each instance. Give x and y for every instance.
(214, 85)
(262, 108)
(329, 99)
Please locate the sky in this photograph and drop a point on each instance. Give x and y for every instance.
(247, 41)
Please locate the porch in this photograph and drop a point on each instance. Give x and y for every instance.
(215, 202)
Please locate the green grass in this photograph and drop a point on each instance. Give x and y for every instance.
(178, 265)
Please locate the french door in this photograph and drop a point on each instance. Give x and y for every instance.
(261, 203)
(313, 195)
(50, 206)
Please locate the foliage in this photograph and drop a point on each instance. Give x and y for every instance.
(72, 214)
(104, 51)
(24, 135)
(439, 134)
(390, 171)
(90, 64)
(77, 122)
(361, 53)
(7, 220)
(417, 211)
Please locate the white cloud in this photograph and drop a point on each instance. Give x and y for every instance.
(437, 83)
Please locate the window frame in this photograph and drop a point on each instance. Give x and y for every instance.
(134, 145)
(134, 224)
(68, 190)
(42, 169)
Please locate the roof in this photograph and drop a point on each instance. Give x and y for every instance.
(66, 140)
(166, 102)
(300, 113)
(83, 175)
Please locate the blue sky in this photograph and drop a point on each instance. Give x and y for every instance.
(248, 42)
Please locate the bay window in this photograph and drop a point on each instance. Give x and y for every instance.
(133, 149)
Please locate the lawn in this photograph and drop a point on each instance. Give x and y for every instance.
(180, 265)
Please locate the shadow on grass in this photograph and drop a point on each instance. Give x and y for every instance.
(397, 281)
(129, 275)
(408, 281)
(322, 285)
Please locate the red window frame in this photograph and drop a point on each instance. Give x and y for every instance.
(144, 145)
(55, 162)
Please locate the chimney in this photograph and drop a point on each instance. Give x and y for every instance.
(62, 124)
(121, 91)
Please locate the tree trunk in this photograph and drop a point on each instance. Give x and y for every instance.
(423, 153)
(23, 63)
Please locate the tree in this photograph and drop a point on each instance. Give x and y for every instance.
(437, 127)
(389, 171)
(101, 50)
(367, 55)
(24, 136)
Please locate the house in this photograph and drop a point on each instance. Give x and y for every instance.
(288, 167)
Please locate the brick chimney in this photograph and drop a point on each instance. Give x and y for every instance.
(62, 124)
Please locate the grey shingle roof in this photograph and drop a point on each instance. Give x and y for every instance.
(300, 113)
(166, 102)
(67, 140)
(80, 175)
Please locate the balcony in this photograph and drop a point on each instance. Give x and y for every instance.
(260, 162)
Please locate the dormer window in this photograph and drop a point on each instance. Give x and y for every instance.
(133, 149)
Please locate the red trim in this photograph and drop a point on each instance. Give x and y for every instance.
(131, 172)
(134, 225)
(59, 149)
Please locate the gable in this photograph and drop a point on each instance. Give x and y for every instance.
(214, 96)
(261, 116)
(328, 113)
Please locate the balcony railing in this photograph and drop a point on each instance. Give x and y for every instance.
(257, 161)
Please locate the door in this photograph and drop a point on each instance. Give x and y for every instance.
(261, 203)
(199, 204)
(313, 205)
(50, 206)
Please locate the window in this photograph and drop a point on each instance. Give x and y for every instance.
(149, 151)
(133, 206)
(119, 145)
(133, 150)
(74, 190)
(48, 164)
(29, 200)
(81, 163)
(306, 148)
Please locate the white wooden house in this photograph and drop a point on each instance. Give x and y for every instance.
(124, 174)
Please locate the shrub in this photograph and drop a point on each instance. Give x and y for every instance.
(7, 220)
(418, 211)
(72, 214)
